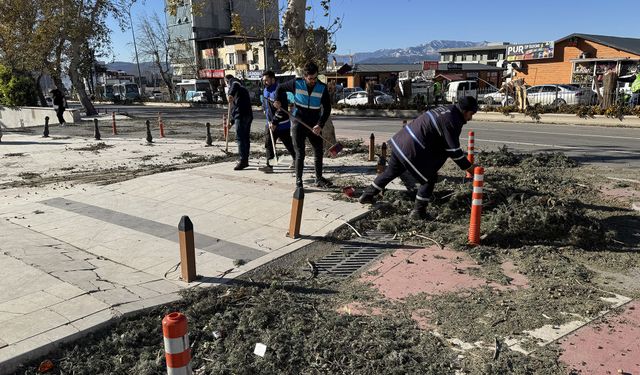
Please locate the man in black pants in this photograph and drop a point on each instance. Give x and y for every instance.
(277, 121)
(422, 147)
(313, 106)
(58, 105)
(242, 116)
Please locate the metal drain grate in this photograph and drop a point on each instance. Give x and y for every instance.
(352, 257)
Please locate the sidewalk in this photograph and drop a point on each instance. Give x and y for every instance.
(77, 257)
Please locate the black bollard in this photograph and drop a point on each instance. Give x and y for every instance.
(382, 160)
(149, 137)
(209, 139)
(96, 130)
(45, 133)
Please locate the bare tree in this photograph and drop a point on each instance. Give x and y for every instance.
(155, 43)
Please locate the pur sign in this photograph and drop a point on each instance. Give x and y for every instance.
(530, 51)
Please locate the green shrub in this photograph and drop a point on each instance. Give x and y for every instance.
(17, 89)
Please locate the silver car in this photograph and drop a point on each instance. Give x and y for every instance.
(557, 95)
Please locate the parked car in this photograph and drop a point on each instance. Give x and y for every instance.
(495, 97)
(458, 89)
(156, 95)
(361, 98)
(199, 97)
(343, 92)
(558, 95)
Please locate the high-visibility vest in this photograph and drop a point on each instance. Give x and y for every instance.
(635, 86)
(302, 98)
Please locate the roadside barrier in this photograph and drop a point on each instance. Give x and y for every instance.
(96, 129)
(176, 344)
(161, 124)
(476, 206)
(113, 123)
(372, 147)
(209, 140)
(296, 213)
(149, 137)
(471, 150)
(45, 133)
(187, 250)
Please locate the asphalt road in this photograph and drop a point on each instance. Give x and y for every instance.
(615, 147)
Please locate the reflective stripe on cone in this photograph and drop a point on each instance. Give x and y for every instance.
(476, 206)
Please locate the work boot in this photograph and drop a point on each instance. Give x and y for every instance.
(322, 182)
(242, 164)
(419, 211)
(266, 169)
(369, 195)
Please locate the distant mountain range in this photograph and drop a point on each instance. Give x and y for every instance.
(131, 68)
(409, 55)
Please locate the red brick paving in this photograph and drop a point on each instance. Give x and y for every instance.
(606, 346)
(432, 271)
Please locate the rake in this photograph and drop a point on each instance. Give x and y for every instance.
(333, 150)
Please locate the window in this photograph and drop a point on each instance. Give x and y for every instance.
(231, 57)
(256, 55)
(549, 89)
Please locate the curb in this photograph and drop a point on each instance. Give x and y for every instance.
(545, 118)
(12, 364)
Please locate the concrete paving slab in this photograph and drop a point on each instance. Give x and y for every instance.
(79, 255)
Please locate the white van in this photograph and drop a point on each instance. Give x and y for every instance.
(458, 89)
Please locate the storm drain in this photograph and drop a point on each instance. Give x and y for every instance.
(353, 256)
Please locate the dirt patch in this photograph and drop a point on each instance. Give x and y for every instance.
(14, 154)
(96, 147)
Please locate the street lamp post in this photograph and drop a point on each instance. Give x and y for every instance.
(264, 30)
(135, 48)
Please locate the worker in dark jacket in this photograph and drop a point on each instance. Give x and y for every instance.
(242, 116)
(313, 106)
(422, 147)
(277, 121)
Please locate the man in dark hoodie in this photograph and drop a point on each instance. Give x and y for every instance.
(242, 116)
(422, 147)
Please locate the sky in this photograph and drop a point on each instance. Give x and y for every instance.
(369, 25)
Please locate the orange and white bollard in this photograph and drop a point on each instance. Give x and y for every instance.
(161, 124)
(113, 123)
(476, 206)
(176, 344)
(471, 150)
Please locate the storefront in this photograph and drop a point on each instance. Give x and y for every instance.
(579, 59)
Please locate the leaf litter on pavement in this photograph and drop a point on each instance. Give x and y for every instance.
(541, 212)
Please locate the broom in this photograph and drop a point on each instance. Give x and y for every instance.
(333, 150)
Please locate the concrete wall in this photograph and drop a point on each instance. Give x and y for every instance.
(33, 116)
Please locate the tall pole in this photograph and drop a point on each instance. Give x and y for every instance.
(135, 48)
(264, 29)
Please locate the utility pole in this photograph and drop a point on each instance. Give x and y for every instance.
(264, 31)
(135, 48)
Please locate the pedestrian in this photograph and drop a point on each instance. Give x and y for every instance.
(635, 90)
(58, 105)
(422, 147)
(242, 116)
(312, 105)
(278, 123)
(437, 91)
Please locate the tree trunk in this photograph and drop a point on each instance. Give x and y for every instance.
(293, 21)
(43, 100)
(77, 81)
